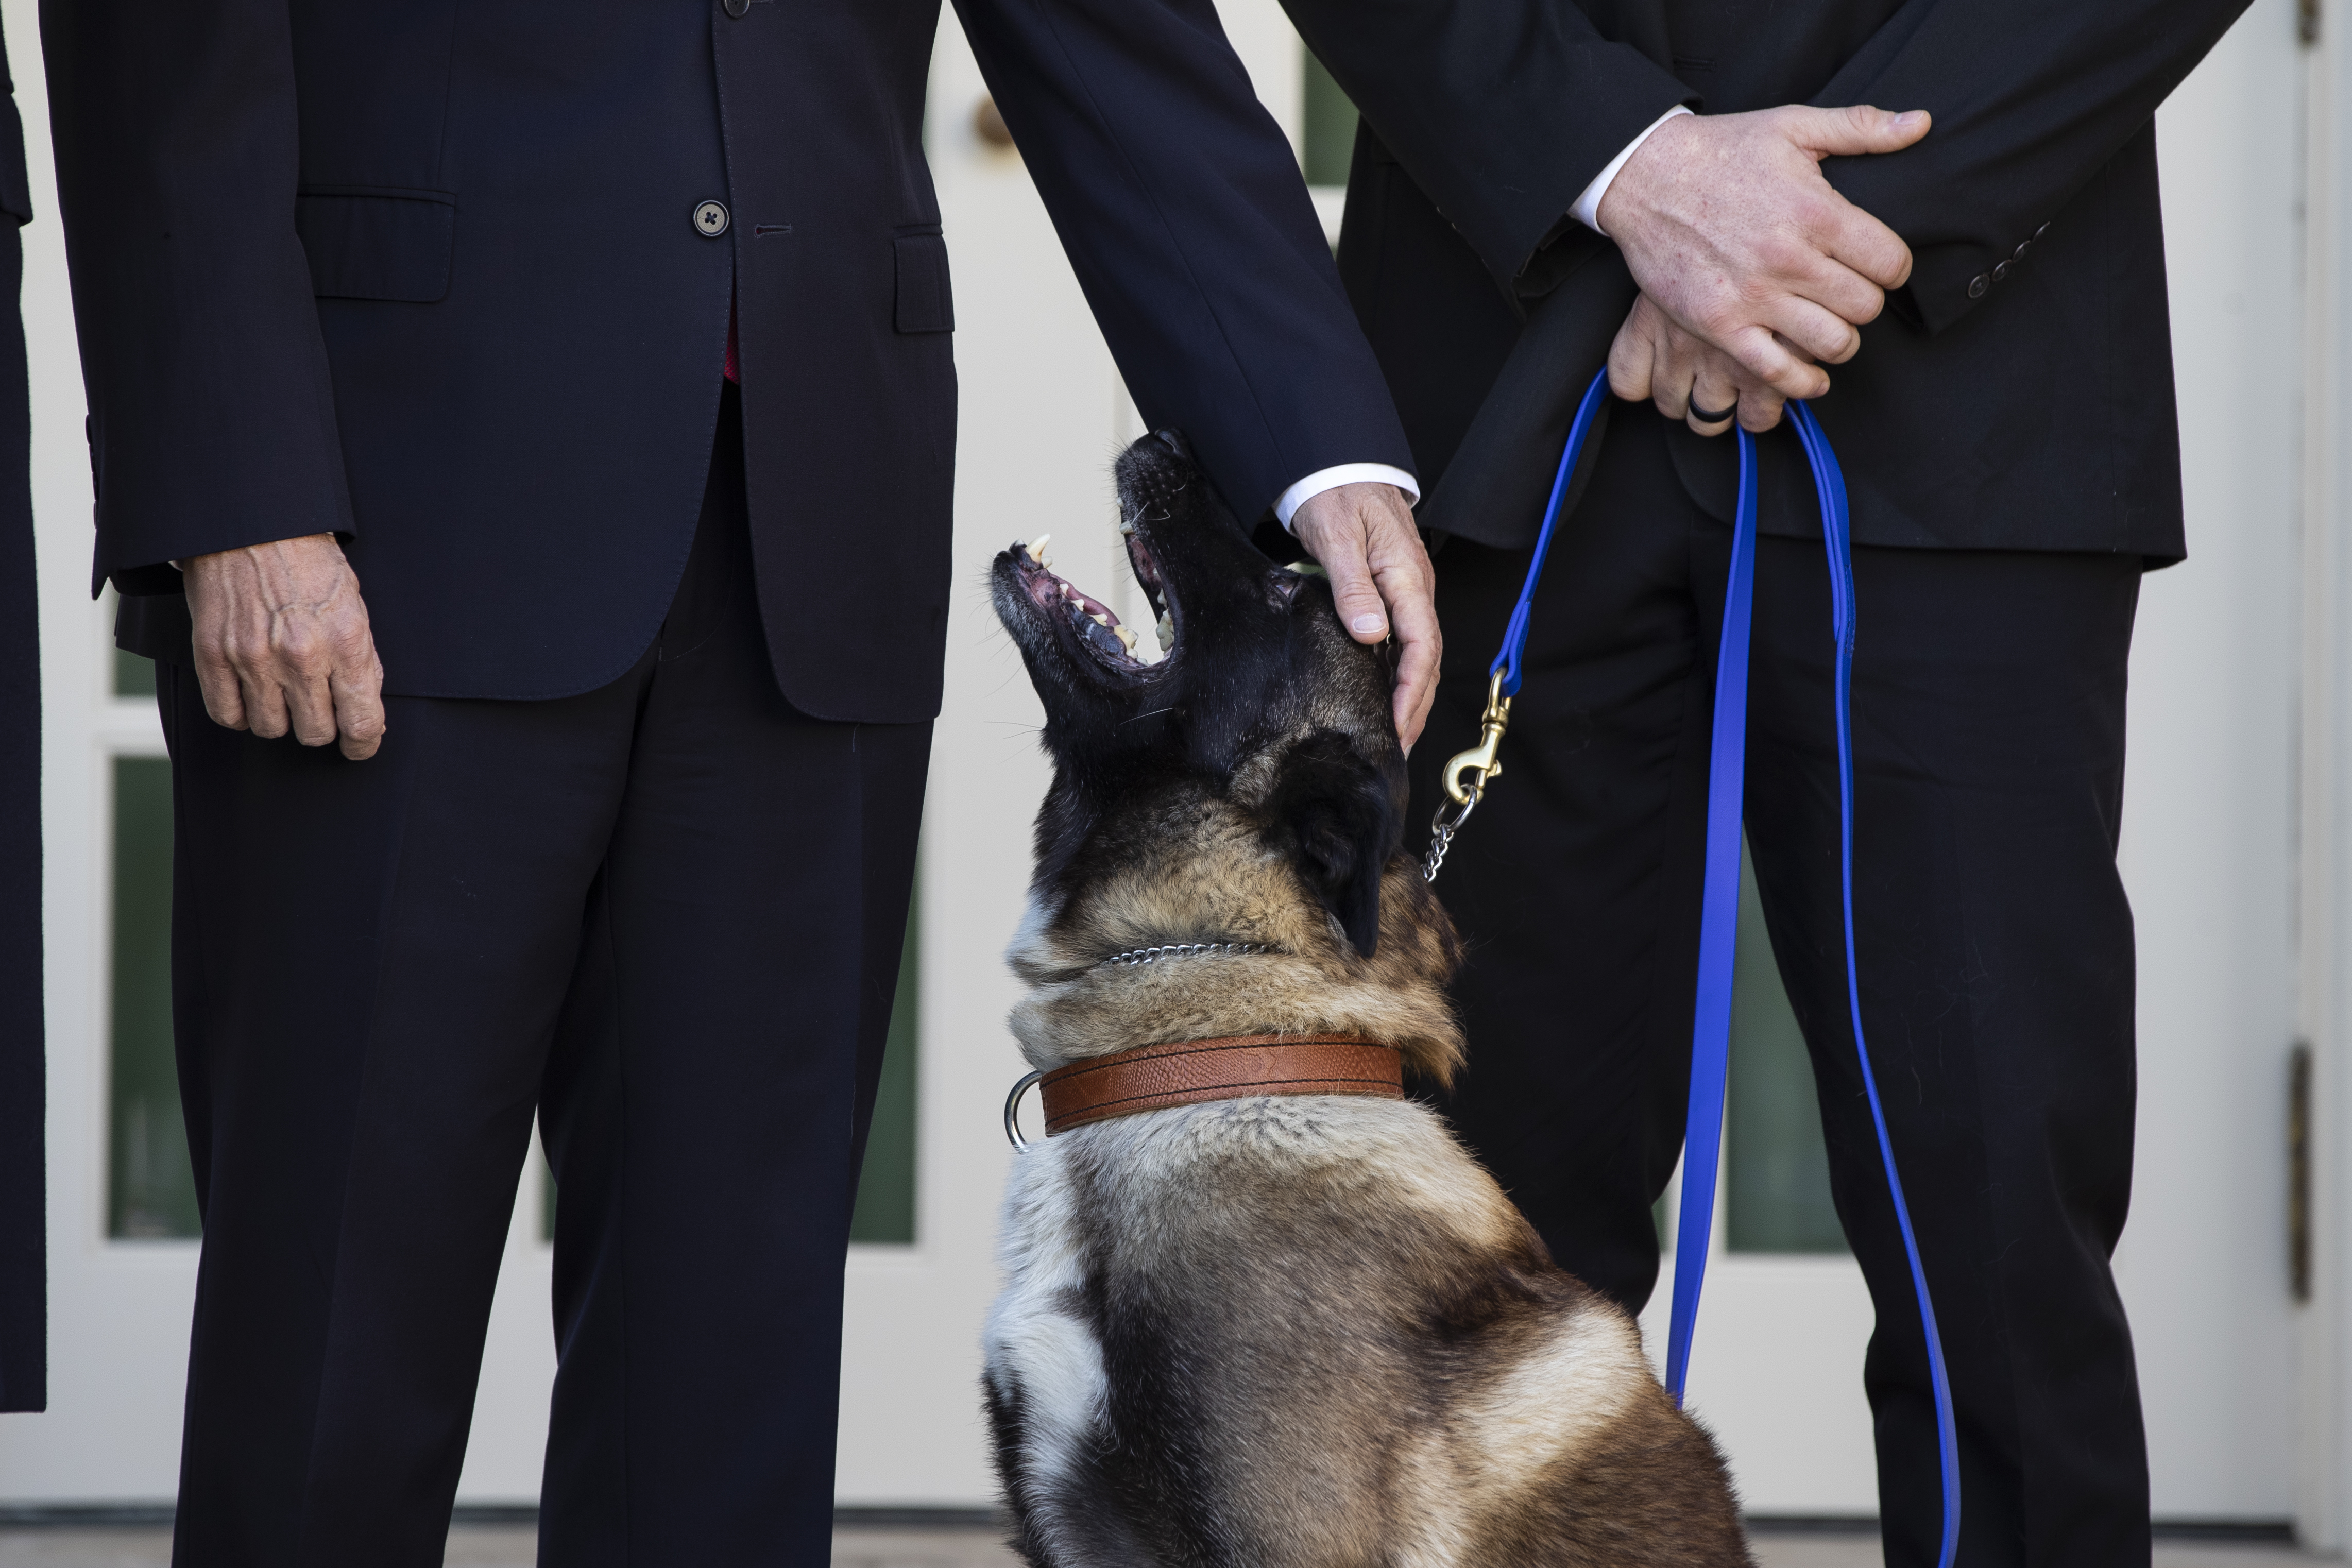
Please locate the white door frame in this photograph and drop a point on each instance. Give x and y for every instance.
(2323, 907)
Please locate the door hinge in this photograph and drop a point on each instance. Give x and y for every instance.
(2298, 1172)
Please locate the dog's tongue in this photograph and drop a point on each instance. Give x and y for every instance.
(1092, 606)
(1071, 595)
(1094, 609)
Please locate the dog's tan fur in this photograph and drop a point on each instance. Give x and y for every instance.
(1292, 1333)
(1216, 877)
(1553, 1443)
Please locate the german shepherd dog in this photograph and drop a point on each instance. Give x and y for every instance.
(1278, 1333)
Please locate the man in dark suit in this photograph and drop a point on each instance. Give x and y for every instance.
(24, 1253)
(1530, 196)
(605, 347)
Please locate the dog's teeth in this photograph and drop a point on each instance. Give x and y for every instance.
(1036, 548)
(1125, 525)
(1098, 620)
(1123, 635)
(1167, 630)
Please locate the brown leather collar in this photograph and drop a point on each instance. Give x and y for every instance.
(1231, 1067)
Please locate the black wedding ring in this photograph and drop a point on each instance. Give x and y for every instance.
(1712, 416)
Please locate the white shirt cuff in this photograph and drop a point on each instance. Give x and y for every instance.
(1587, 210)
(1331, 478)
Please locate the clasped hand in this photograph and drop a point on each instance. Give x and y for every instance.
(1754, 272)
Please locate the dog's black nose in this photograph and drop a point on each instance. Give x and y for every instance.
(1174, 441)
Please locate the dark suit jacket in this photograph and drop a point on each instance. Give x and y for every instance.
(2016, 394)
(24, 1253)
(425, 274)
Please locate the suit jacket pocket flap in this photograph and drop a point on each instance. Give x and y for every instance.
(924, 302)
(378, 245)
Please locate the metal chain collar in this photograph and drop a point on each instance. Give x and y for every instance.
(1441, 829)
(1135, 955)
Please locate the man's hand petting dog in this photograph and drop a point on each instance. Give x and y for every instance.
(1729, 227)
(1381, 578)
(282, 643)
(1688, 378)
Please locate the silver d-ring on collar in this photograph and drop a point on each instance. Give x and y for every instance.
(1013, 1110)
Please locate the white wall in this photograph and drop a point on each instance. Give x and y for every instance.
(2209, 827)
(1043, 415)
(2323, 1468)
(1035, 444)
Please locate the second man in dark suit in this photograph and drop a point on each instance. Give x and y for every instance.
(1530, 197)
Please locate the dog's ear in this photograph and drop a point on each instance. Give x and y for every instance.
(1337, 816)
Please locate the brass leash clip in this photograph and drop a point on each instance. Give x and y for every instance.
(1482, 763)
(1480, 758)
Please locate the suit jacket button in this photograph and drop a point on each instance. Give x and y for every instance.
(2023, 247)
(2042, 230)
(736, 8)
(1977, 285)
(710, 220)
(2000, 271)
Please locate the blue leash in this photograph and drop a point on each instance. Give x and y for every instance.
(1719, 897)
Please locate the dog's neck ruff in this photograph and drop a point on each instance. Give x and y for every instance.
(1231, 1067)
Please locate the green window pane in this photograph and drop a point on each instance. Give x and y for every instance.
(152, 1191)
(134, 676)
(886, 1187)
(1777, 1175)
(1330, 126)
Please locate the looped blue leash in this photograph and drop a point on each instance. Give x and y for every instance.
(1468, 774)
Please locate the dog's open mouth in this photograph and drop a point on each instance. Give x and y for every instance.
(1093, 625)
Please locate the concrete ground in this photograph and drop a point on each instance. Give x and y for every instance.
(509, 1546)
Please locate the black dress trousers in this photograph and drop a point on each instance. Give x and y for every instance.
(1994, 940)
(666, 916)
